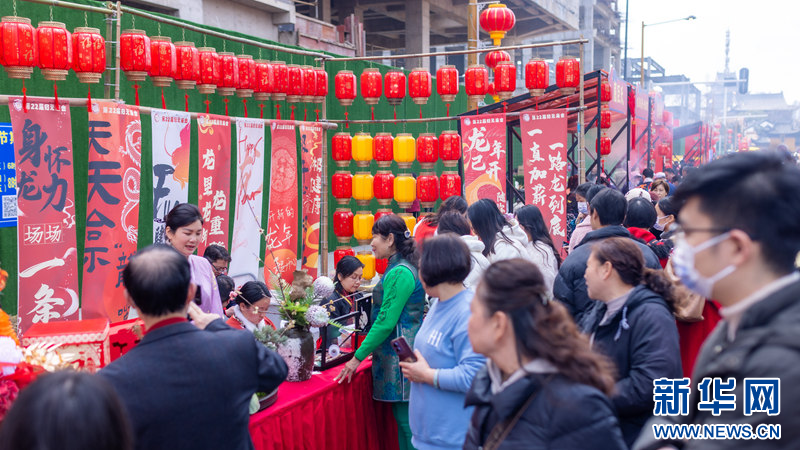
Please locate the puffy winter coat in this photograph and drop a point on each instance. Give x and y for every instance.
(503, 249)
(542, 255)
(479, 261)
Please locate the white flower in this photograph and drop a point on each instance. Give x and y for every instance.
(317, 316)
(323, 287)
(9, 353)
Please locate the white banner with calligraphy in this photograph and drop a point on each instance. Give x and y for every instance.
(484, 141)
(171, 146)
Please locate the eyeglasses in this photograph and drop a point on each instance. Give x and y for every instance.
(220, 270)
(680, 232)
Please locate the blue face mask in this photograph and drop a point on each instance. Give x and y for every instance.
(583, 207)
(683, 264)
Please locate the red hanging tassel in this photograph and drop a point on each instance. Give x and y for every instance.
(346, 123)
(226, 105)
(24, 97)
(448, 110)
(136, 88)
(395, 115)
(505, 107)
(372, 113)
(261, 107)
(55, 94)
(244, 102)
(163, 102)
(89, 99)
(207, 102)
(317, 111)
(291, 116)
(186, 101)
(279, 111)
(305, 115)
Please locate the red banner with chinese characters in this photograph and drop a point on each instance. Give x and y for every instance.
(214, 178)
(311, 145)
(484, 141)
(112, 210)
(281, 252)
(544, 152)
(47, 243)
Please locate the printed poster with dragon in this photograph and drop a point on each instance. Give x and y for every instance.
(484, 141)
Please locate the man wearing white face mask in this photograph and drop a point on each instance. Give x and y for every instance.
(737, 243)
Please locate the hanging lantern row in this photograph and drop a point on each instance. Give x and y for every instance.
(393, 85)
(402, 149)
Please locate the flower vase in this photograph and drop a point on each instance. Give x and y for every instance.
(298, 353)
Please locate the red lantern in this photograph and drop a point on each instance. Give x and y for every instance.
(382, 212)
(340, 253)
(427, 150)
(447, 83)
(342, 149)
(492, 58)
(342, 187)
(395, 87)
(476, 81)
(537, 76)
(295, 88)
(188, 69)
(309, 84)
(228, 74)
(88, 54)
(605, 92)
(345, 86)
(381, 264)
(321, 85)
(449, 185)
(605, 119)
(450, 148)
(343, 225)
(667, 118)
(247, 76)
(265, 80)
(209, 70)
(505, 79)
(568, 73)
(383, 187)
(18, 50)
(605, 145)
(427, 189)
(164, 61)
(135, 54)
(383, 149)
(497, 20)
(371, 86)
(491, 89)
(281, 86)
(54, 43)
(419, 86)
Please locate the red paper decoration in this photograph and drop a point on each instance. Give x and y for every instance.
(134, 54)
(449, 185)
(309, 84)
(505, 79)
(371, 86)
(343, 225)
(427, 189)
(228, 74)
(447, 83)
(18, 50)
(419, 86)
(568, 72)
(497, 20)
(383, 149)
(450, 148)
(295, 88)
(88, 54)
(54, 43)
(247, 76)
(492, 58)
(605, 91)
(321, 85)
(383, 187)
(209, 70)
(342, 187)
(382, 212)
(395, 87)
(342, 149)
(537, 76)
(345, 87)
(281, 86)
(605, 145)
(164, 61)
(188, 69)
(476, 82)
(427, 151)
(265, 80)
(605, 119)
(340, 253)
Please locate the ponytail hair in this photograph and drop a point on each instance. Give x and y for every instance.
(393, 225)
(627, 259)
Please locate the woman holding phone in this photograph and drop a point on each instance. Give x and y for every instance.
(398, 305)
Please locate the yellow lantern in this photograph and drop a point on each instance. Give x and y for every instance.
(368, 259)
(405, 150)
(405, 189)
(362, 227)
(410, 221)
(362, 188)
(362, 149)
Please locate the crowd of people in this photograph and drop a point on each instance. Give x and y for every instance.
(514, 345)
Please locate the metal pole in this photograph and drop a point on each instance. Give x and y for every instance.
(323, 222)
(472, 42)
(625, 58)
(628, 143)
(69, 5)
(641, 61)
(579, 124)
(599, 160)
(649, 126)
(110, 17)
(117, 67)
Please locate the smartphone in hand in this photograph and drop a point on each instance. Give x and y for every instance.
(403, 350)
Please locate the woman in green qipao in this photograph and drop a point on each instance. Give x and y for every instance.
(398, 305)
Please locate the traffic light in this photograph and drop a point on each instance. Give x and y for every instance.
(744, 75)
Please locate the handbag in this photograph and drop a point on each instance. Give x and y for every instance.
(501, 430)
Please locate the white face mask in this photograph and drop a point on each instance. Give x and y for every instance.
(683, 264)
(583, 207)
(658, 225)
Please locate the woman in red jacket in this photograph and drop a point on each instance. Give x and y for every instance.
(252, 303)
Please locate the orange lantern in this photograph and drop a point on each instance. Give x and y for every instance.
(419, 86)
(18, 49)
(321, 85)
(164, 61)
(449, 185)
(340, 253)
(381, 264)
(209, 70)
(405, 190)
(281, 86)
(368, 259)
(309, 84)
(568, 72)
(362, 226)
(492, 58)
(371, 86)
(427, 150)
(395, 87)
(228, 74)
(605, 145)
(476, 82)
(404, 150)
(505, 79)
(345, 87)
(88, 54)
(537, 77)
(410, 221)
(247, 76)
(382, 149)
(134, 54)
(342, 187)
(187, 72)
(605, 91)
(605, 119)
(295, 88)
(342, 149)
(265, 80)
(362, 188)
(55, 50)
(450, 148)
(343, 225)
(447, 83)
(427, 189)
(497, 20)
(383, 187)
(362, 149)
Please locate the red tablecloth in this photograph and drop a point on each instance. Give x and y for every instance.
(322, 414)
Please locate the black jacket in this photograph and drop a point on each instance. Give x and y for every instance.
(189, 388)
(570, 287)
(766, 345)
(642, 341)
(564, 415)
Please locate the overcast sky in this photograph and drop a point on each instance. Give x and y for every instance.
(763, 39)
